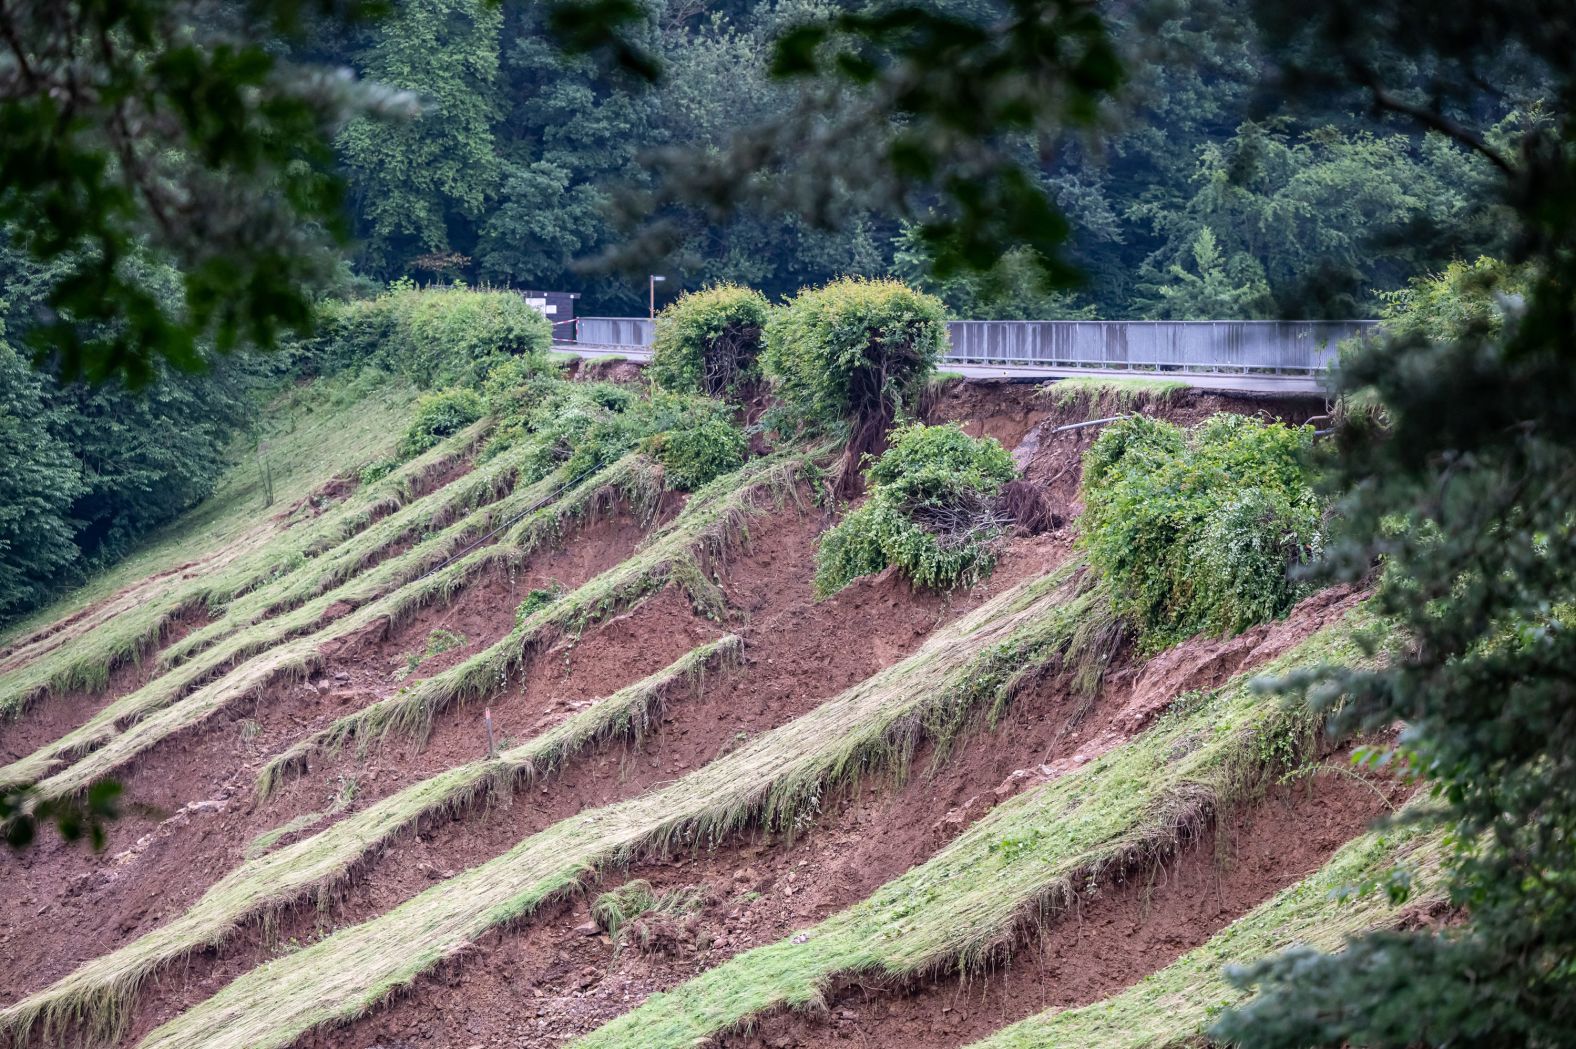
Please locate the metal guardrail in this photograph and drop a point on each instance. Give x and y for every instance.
(1298, 347)
(614, 331)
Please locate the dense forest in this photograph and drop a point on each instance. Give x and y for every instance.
(1196, 193)
(1201, 197)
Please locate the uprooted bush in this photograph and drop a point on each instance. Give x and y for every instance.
(656, 919)
(709, 342)
(1195, 531)
(933, 511)
(437, 336)
(853, 358)
(439, 415)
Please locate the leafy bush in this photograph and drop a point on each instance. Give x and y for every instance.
(537, 600)
(1194, 531)
(856, 352)
(932, 512)
(375, 471)
(433, 336)
(438, 415)
(587, 425)
(709, 341)
(700, 442)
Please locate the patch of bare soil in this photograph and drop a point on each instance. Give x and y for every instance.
(991, 408)
(605, 369)
(189, 804)
(53, 717)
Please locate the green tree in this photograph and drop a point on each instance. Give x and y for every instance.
(419, 187)
(39, 481)
(173, 128)
(1214, 288)
(933, 511)
(1462, 485)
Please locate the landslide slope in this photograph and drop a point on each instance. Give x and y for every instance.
(492, 752)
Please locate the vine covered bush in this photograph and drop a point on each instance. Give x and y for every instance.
(709, 342)
(700, 444)
(1195, 531)
(933, 512)
(855, 354)
(435, 336)
(438, 415)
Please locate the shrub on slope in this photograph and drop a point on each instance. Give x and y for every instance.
(709, 342)
(853, 358)
(588, 425)
(433, 336)
(1195, 531)
(932, 511)
(440, 415)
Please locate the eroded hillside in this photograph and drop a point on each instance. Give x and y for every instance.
(486, 752)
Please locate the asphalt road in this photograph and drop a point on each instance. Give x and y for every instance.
(1224, 382)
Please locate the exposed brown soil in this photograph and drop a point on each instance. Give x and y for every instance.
(554, 975)
(189, 803)
(602, 369)
(558, 977)
(1115, 937)
(48, 720)
(796, 655)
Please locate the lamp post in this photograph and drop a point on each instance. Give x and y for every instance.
(653, 289)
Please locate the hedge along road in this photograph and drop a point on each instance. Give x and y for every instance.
(1227, 382)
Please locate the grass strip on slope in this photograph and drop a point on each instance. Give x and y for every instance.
(389, 586)
(84, 659)
(95, 998)
(1113, 393)
(1028, 857)
(393, 590)
(1174, 1006)
(711, 524)
(282, 647)
(113, 747)
(313, 433)
(776, 779)
(350, 556)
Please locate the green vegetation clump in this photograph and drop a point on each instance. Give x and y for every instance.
(709, 342)
(856, 353)
(932, 512)
(703, 446)
(1195, 531)
(374, 472)
(537, 600)
(440, 415)
(438, 642)
(435, 336)
(585, 426)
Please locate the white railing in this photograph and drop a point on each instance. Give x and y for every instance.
(1297, 347)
